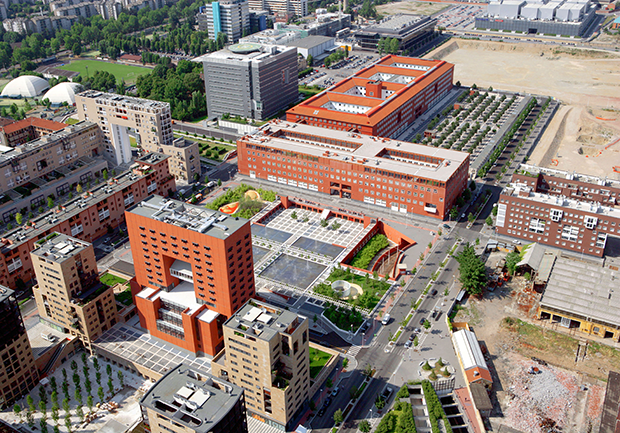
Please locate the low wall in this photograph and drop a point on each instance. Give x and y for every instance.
(327, 368)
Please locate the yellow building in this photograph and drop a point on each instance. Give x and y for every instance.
(267, 353)
(68, 293)
(583, 295)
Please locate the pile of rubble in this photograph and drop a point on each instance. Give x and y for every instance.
(540, 396)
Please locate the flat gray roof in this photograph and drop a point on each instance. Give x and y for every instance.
(584, 288)
(5, 292)
(192, 397)
(263, 321)
(57, 247)
(199, 219)
(108, 98)
(310, 41)
(369, 151)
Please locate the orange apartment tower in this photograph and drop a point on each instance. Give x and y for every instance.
(194, 270)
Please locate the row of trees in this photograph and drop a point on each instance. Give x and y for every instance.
(388, 46)
(110, 36)
(77, 395)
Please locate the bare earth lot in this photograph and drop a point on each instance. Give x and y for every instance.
(583, 135)
(412, 7)
(504, 322)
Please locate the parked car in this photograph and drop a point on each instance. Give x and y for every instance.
(408, 344)
(321, 412)
(335, 391)
(422, 320)
(433, 292)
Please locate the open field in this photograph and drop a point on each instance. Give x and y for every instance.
(587, 82)
(128, 73)
(412, 7)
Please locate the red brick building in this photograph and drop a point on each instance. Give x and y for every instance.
(86, 217)
(561, 209)
(194, 269)
(31, 128)
(406, 177)
(382, 99)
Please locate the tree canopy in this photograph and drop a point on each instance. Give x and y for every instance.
(472, 270)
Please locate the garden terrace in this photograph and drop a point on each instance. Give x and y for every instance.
(372, 289)
(246, 206)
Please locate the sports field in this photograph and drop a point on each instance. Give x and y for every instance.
(128, 73)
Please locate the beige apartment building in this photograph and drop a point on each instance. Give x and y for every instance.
(148, 120)
(19, 373)
(24, 163)
(68, 293)
(267, 353)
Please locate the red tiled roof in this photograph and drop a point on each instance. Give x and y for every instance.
(312, 107)
(483, 374)
(133, 57)
(470, 410)
(33, 121)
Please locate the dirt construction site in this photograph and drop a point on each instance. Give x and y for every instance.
(584, 135)
(545, 380)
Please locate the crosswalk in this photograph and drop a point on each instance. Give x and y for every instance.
(354, 350)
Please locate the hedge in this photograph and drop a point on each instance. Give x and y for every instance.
(363, 258)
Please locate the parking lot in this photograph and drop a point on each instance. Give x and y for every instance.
(324, 77)
(461, 17)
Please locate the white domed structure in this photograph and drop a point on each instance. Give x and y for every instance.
(63, 92)
(26, 86)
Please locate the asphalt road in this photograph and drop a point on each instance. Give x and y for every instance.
(375, 355)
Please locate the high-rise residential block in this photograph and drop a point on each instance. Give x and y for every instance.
(383, 99)
(188, 400)
(68, 293)
(264, 79)
(281, 7)
(116, 115)
(18, 373)
(87, 217)
(21, 164)
(193, 267)
(231, 17)
(267, 354)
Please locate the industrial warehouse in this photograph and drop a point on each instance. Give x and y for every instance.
(564, 18)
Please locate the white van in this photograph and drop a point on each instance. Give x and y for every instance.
(386, 319)
(49, 337)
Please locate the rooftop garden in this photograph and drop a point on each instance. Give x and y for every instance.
(372, 289)
(318, 359)
(345, 319)
(364, 256)
(111, 280)
(244, 201)
(399, 419)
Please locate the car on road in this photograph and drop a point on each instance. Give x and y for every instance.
(438, 315)
(387, 393)
(434, 314)
(422, 320)
(462, 216)
(408, 344)
(417, 331)
(433, 292)
(321, 412)
(328, 401)
(386, 319)
(211, 184)
(411, 337)
(335, 391)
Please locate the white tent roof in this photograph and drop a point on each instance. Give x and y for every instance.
(63, 92)
(467, 346)
(26, 86)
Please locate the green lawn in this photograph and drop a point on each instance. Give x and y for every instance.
(71, 121)
(318, 359)
(112, 280)
(128, 73)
